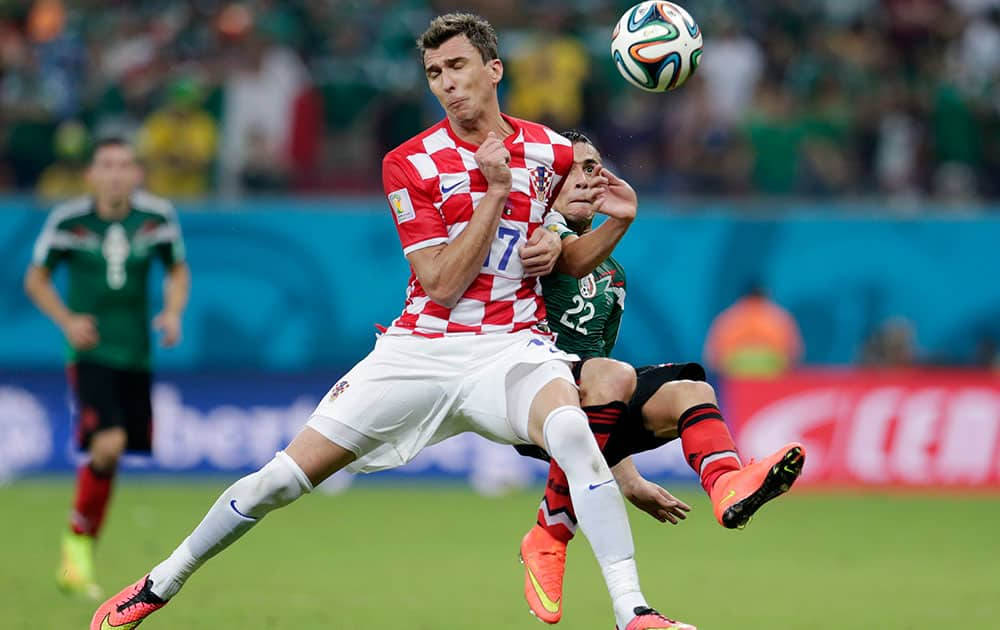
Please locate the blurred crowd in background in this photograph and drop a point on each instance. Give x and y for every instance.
(887, 99)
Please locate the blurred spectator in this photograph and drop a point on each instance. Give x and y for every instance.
(755, 337)
(177, 143)
(898, 99)
(66, 177)
(892, 345)
(548, 67)
(732, 70)
(260, 93)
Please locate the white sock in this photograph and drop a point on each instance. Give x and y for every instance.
(237, 509)
(622, 579)
(600, 509)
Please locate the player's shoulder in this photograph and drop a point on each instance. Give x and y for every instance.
(540, 134)
(617, 267)
(71, 209)
(415, 146)
(145, 201)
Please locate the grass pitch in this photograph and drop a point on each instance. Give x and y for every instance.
(439, 558)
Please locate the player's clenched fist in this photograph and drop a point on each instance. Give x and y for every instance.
(493, 160)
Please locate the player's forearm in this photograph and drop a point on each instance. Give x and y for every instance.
(626, 474)
(177, 289)
(38, 287)
(458, 263)
(582, 255)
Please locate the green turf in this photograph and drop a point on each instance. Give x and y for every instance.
(441, 558)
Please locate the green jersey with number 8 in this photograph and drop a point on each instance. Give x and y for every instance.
(108, 263)
(585, 313)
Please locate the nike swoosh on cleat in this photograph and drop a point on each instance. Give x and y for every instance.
(547, 604)
(232, 504)
(106, 624)
(728, 497)
(595, 486)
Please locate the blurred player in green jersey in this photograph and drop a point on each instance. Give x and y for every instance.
(630, 410)
(107, 241)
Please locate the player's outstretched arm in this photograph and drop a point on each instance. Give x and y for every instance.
(647, 496)
(175, 297)
(80, 329)
(446, 271)
(618, 202)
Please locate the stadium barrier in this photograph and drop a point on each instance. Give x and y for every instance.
(918, 428)
(915, 428)
(233, 423)
(291, 285)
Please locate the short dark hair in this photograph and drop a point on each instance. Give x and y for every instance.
(108, 141)
(575, 136)
(475, 27)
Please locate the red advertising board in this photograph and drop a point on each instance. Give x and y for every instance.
(898, 428)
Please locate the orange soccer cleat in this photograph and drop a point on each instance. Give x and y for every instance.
(737, 495)
(129, 608)
(648, 619)
(544, 560)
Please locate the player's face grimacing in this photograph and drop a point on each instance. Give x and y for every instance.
(114, 172)
(461, 81)
(576, 199)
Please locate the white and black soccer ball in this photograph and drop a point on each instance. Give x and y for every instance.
(656, 46)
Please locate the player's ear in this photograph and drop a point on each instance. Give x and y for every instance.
(495, 66)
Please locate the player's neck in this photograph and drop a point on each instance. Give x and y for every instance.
(475, 131)
(580, 227)
(111, 209)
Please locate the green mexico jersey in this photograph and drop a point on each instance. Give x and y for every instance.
(108, 264)
(585, 313)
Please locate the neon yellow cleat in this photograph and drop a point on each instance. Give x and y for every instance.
(76, 570)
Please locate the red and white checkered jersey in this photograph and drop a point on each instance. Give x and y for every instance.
(433, 186)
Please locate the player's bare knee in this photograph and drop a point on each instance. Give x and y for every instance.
(106, 448)
(694, 393)
(605, 380)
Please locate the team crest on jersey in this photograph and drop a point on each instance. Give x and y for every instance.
(337, 390)
(402, 207)
(541, 183)
(588, 287)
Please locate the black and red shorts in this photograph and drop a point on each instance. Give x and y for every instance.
(630, 435)
(108, 397)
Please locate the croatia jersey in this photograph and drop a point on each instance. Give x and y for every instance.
(433, 186)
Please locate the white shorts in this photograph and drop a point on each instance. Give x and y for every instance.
(411, 392)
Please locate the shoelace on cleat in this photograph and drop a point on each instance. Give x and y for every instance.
(142, 596)
(646, 611)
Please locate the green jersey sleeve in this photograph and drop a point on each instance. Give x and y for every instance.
(57, 239)
(555, 222)
(166, 239)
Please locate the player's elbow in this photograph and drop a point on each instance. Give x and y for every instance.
(446, 297)
(442, 290)
(33, 279)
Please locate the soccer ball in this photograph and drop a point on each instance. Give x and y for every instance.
(656, 46)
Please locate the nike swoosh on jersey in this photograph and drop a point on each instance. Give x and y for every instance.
(595, 486)
(106, 624)
(547, 604)
(446, 190)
